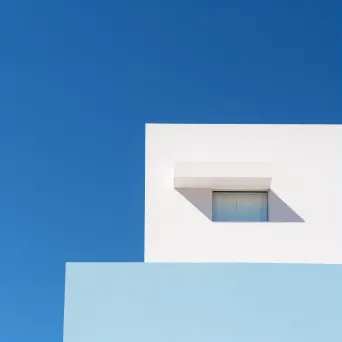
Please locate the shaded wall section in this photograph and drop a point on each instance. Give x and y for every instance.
(202, 199)
(278, 210)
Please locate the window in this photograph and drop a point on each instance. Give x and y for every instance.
(240, 206)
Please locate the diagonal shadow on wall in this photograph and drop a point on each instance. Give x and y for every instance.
(278, 210)
(200, 198)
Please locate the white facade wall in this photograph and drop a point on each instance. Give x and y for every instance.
(304, 163)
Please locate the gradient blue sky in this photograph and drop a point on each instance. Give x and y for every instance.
(78, 80)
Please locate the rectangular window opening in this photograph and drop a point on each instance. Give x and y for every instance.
(238, 206)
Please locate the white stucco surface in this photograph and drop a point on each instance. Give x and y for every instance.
(222, 176)
(306, 189)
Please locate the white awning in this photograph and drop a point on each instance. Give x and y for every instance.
(246, 176)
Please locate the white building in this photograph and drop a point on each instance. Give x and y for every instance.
(298, 168)
(216, 194)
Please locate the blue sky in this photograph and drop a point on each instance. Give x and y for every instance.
(79, 79)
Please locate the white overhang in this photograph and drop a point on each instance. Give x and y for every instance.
(223, 176)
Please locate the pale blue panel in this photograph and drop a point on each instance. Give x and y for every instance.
(239, 206)
(157, 302)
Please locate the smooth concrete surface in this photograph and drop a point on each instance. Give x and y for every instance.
(152, 302)
(305, 203)
(223, 176)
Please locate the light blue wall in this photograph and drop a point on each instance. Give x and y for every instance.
(108, 302)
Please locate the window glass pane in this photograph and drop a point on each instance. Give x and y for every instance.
(239, 206)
